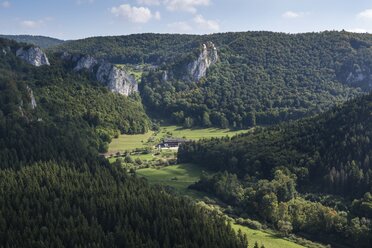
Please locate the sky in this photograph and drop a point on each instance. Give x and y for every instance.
(75, 19)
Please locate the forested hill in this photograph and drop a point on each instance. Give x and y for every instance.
(41, 41)
(55, 189)
(311, 176)
(329, 153)
(259, 78)
(134, 49)
(54, 113)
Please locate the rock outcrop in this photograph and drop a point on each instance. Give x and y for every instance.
(32, 98)
(208, 56)
(116, 79)
(360, 77)
(86, 62)
(33, 55)
(110, 75)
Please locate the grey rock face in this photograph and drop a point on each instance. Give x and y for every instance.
(32, 98)
(207, 57)
(113, 77)
(33, 55)
(165, 76)
(116, 79)
(360, 76)
(86, 62)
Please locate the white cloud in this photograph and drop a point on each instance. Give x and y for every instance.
(32, 24)
(134, 14)
(5, 4)
(203, 24)
(157, 15)
(197, 24)
(365, 14)
(149, 2)
(185, 5)
(180, 27)
(293, 15)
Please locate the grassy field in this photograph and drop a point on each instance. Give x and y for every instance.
(131, 142)
(178, 176)
(270, 240)
(197, 133)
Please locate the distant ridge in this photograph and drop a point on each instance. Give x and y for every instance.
(41, 41)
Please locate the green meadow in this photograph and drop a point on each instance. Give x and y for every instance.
(198, 133)
(265, 237)
(177, 176)
(127, 142)
(130, 142)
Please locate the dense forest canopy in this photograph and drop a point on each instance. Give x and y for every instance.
(74, 117)
(286, 174)
(328, 153)
(56, 191)
(261, 77)
(49, 205)
(37, 40)
(54, 122)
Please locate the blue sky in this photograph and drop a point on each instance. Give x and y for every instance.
(73, 19)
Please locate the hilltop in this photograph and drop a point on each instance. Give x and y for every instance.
(37, 40)
(259, 78)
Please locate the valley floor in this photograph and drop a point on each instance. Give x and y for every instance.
(130, 142)
(180, 176)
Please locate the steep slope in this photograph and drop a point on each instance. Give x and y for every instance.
(101, 207)
(328, 153)
(110, 75)
(37, 40)
(326, 158)
(56, 191)
(258, 78)
(50, 112)
(133, 49)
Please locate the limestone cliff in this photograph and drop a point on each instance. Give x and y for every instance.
(32, 98)
(208, 56)
(33, 55)
(113, 77)
(360, 76)
(86, 62)
(116, 79)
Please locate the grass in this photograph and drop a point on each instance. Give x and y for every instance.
(267, 238)
(186, 174)
(131, 142)
(197, 133)
(132, 70)
(143, 156)
(127, 142)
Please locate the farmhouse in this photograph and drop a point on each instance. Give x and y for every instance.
(171, 142)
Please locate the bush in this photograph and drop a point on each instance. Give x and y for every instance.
(128, 159)
(249, 223)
